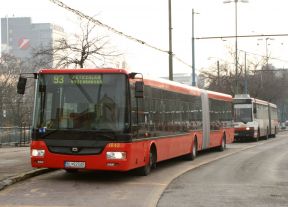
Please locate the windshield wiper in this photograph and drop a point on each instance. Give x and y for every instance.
(106, 130)
(245, 121)
(43, 135)
(105, 133)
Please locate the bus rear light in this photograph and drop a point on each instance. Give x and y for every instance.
(115, 155)
(37, 153)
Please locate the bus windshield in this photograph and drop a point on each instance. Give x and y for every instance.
(81, 102)
(243, 113)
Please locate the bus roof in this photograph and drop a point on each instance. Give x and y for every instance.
(264, 103)
(254, 100)
(82, 70)
(185, 89)
(219, 96)
(171, 86)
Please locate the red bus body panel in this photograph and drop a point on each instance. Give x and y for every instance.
(137, 154)
(137, 151)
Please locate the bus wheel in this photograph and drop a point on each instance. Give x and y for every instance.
(145, 170)
(258, 135)
(275, 132)
(193, 154)
(267, 134)
(222, 147)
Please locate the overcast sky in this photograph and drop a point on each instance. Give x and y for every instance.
(148, 20)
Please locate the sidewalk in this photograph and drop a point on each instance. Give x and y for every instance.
(15, 165)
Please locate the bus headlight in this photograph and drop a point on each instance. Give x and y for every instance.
(115, 155)
(249, 128)
(37, 153)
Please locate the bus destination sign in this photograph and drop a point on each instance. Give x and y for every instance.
(77, 79)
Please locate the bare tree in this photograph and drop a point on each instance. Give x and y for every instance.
(263, 81)
(14, 109)
(219, 79)
(223, 78)
(268, 84)
(79, 51)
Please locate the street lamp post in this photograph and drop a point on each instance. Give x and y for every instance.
(266, 39)
(193, 50)
(236, 41)
(245, 81)
(170, 43)
(266, 47)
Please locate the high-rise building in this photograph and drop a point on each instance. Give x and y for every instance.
(20, 37)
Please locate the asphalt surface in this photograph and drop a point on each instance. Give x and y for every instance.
(246, 174)
(254, 177)
(15, 166)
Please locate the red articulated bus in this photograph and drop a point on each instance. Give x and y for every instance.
(110, 119)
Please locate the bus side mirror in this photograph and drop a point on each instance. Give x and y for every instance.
(139, 89)
(21, 85)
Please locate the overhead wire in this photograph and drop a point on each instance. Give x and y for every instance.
(109, 28)
(264, 56)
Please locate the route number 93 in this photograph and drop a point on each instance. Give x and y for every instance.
(58, 79)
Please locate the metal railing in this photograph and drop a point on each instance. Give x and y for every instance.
(15, 136)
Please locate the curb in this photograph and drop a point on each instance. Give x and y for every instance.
(23, 176)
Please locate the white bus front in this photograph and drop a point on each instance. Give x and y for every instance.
(244, 124)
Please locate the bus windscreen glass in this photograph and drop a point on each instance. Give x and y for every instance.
(242, 113)
(81, 101)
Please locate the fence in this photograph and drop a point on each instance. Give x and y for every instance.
(15, 136)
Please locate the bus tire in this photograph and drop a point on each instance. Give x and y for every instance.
(258, 135)
(267, 134)
(275, 132)
(193, 154)
(222, 147)
(145, 170)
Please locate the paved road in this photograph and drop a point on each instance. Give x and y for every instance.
(14, 161)
(254, 177)
(15, 166)
(113, 189)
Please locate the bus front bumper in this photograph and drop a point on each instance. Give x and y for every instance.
(111, 158)
(242, 133)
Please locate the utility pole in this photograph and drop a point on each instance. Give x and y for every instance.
(246, 81)
(170, 43)
(218, 73)
(193, 51)
(236, 46)
(236, 41)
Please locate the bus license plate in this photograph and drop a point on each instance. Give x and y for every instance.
(69, 164)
